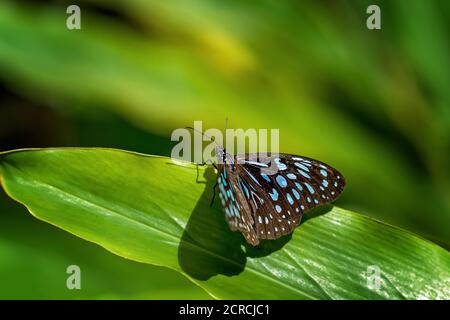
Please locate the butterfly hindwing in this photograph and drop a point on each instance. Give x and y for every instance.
(272, 220)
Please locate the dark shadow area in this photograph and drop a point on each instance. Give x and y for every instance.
(316, 212)
(207, 246)
(95, 10)
(25, 123)
(266, 247)
(28, 124)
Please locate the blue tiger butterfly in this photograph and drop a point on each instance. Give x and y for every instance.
(269, 206)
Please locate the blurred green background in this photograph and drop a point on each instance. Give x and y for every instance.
(373, 103)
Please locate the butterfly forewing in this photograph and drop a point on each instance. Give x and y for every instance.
(267, 204)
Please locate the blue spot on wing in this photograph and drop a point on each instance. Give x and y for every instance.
(299, 186)
(245, 189)
(255, 163)
(310, 189)
(281, 181)
(280, 165)
(236, 212)
(252, 177)
(302, 166)
(224, 180)
(289, 198)
(274, 194)
(304, 174)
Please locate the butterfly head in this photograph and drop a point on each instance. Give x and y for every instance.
(221, 154)
(223, 157)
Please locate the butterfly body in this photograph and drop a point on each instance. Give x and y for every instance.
(264, 197)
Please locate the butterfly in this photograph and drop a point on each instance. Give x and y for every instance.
(268, 205)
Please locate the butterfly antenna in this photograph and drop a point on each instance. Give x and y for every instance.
(226, 127)
(203, 134)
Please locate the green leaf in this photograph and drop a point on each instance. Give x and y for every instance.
(201, 55)
(153, 210)
(34, 257)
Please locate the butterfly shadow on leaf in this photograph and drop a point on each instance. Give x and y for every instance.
(266, 247)
(208, 247)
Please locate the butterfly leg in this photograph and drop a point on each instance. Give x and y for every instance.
(214, 194)
(203, 164)
(215, 185)
(209, 161)
(196, 178)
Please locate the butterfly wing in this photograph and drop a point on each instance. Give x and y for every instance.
(277, 201)
(237, 211)
(270, 220)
